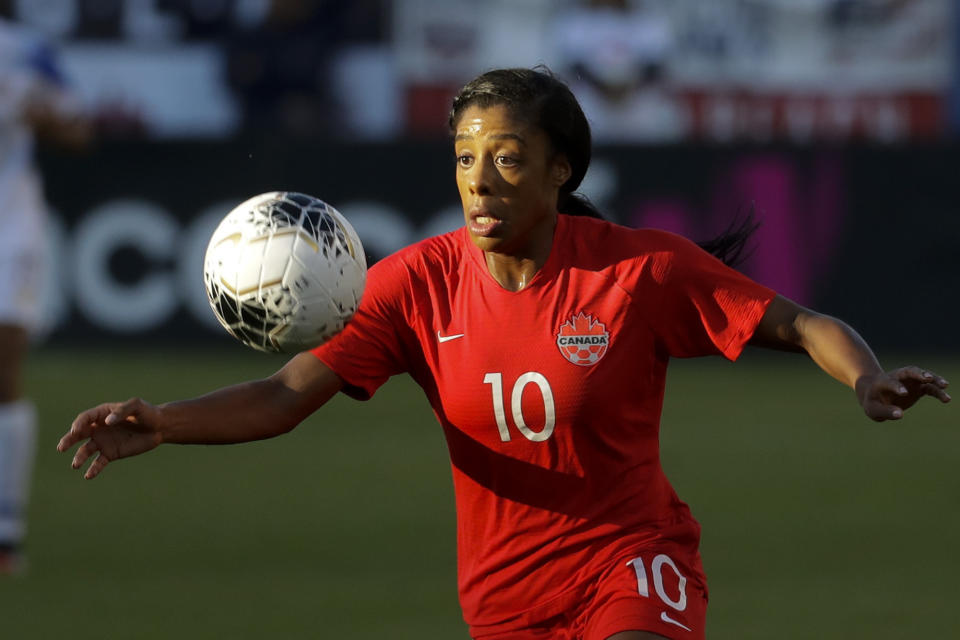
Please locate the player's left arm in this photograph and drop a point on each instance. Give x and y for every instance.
(841, 352)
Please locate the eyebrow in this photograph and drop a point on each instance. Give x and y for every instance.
(498, 136)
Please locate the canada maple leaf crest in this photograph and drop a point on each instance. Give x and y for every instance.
(583, 340)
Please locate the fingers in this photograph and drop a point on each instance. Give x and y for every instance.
(891, 394)
(82, 426)
(107, 413)
(124, 411)
(96, 467)
(936, 391)
(889, 385)
(880, 412)
(88, 448)
(921, 375)
(923, 382)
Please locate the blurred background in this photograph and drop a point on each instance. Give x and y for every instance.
(836, 121)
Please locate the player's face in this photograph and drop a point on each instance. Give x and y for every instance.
(509, 178)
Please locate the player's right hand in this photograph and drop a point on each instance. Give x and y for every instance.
(112, 430)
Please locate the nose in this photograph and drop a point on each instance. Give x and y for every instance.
(482, 176)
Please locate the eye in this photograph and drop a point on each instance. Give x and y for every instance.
(465, 161)
(507, 161)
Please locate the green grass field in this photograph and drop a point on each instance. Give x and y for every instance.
(817, 522)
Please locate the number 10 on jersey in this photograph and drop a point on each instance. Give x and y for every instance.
(495, 380)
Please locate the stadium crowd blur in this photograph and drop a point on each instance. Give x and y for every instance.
(647, 71)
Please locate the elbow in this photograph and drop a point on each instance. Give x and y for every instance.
(798, 331)
(783, 327)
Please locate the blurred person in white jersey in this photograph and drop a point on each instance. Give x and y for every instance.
(34, 102)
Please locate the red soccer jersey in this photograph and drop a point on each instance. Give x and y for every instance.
(550, 397)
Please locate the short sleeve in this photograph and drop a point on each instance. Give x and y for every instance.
(706, 307)
(371, 348)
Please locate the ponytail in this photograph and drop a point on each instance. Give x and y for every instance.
(731, 246)
(575, 204)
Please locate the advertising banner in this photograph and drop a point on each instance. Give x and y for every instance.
(869, 234)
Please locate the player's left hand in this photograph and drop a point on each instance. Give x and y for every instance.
(885, 396)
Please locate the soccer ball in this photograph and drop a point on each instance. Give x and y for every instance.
(284, 272)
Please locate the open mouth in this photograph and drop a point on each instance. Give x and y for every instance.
(483, 224)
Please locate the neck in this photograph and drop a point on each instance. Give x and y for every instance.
(510, 272)
(514, 270)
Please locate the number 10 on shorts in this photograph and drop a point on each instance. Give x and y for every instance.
(656, 570)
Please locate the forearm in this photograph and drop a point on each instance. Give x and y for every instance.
(841, 352)
(831, 343)
(241, 413)
(836, 347)
(251, 410)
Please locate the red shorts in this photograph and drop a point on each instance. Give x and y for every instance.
(662, 591)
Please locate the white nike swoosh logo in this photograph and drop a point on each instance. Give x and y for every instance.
(448, 338)
(666, 618)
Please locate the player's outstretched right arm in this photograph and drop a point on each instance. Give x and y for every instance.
(240, 413)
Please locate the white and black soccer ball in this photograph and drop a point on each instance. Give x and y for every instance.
(284, 272)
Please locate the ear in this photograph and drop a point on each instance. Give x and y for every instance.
(561, 170)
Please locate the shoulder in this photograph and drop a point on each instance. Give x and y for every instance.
(637, 260)
(426, 256)
(612, 242)
(409, 269)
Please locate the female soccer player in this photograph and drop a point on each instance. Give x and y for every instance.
(542, 342)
